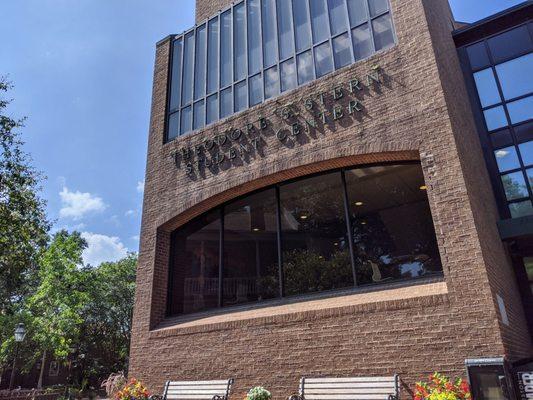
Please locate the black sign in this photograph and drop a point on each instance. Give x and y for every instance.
(524, 384)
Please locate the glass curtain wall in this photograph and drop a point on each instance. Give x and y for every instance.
(326, 232)
(258, 49)
(502, 68)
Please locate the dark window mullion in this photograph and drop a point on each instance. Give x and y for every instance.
(221, 259)
(348, 226)
(278, 237)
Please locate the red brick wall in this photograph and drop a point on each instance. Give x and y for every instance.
(420, 111)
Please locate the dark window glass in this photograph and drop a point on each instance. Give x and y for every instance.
(314, 237)
(337, 16)
(507, 159)
(393, 231)
(495, 118)
(173, 125)
(526, 151)
(477, 54)
(256, 89)
(226, 102)
(378, 7)
(225, 49)
(176, 76)
(250, 249)
(199, 115)
(212, 56)
(305, 67)
(521, 110)
(285, 35)
(383, 34)
(521, 209)
(239, 39)
(194, 265)
(301, 24)
(524, 132)
(501, 138)
(319, 20)
(341, 50)
(288, 75)
(186, 120)
(516, 76)
(270, 52)
(212, 109)
(271, 82)
(200, 61)
(362, 42)
(514, 185)
(240, 96)
(188, 64)
(254, 36)
(510, 44)
(323, 61)
(486, 87)
(529, 173)
(357, 12)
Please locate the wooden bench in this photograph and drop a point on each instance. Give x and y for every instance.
(361, 388)
(196, 390)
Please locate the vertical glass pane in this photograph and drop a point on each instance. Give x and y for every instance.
(186, 120)
(239, 39)
(254, 36)
(337, 16)
(319, 20)
(200, 61)
(226, 102)
(288, 75)
(477, 54)
(383, 35)
(212, 56)
(362, 43)
(225, 49)
(270, 50)
(285, 35)
(378, 7)
(357, 12)
(175, 80)
(212, 109)
(507, 159)
(529, 173)
(486, 87)
(305, 67)
(301, 24)
(510, 44)
(514, 185)
(516, 76)
(250, 249)
(526, 151)
(341, 50)
(240, 96)
(495, 118)
(255, 89)
(188, 63)
(173, 125)
(314, 239)
(323, 62)
(271, 82)
(194, 265)
(199, 115)
(521, 209)
(392, 229)
(521, 110)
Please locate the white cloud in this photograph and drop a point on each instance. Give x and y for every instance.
(76, 204)
(140, 186)
(130, 213)
(102, 248)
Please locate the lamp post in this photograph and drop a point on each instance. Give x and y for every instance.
(20, 332)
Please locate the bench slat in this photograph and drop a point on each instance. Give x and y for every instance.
(388, 390)
(190, 396)
(313, 386)
(196, 391)
(198, 383)
(347, 380)
(348, 397)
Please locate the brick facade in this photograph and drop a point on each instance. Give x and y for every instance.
(420, 112)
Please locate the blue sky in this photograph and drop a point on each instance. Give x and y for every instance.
(82, 71)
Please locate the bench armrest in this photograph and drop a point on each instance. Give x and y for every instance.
(296, 397)
(156, 397)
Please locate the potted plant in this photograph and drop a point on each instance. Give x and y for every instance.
(258, 393)
(441, 387)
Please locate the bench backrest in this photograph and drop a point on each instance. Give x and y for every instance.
(361, 388)
(197, 390)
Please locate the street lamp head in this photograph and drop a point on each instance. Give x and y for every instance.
(20, 332)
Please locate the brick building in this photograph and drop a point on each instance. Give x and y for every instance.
(332, 189)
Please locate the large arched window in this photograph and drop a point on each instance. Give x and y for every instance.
(337, 230)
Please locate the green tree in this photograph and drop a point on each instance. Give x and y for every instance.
(59, 300)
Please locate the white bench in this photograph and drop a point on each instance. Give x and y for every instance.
(360, 388)
(196, 390)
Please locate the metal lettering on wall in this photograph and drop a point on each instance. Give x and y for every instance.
(525, 384)
(291, 124)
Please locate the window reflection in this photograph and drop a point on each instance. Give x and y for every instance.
(487, 88)
(510, 44)
(521, 209)
(285, 35)
(526, 151)
(288, 75)
(271, 82)
(516, 77)
(495, 118)
(301, 24)
(319, 20)
(383, 35)
(362, 43)
(477, 54)
(521, 110)
(254, 37)
(341, 50)
(239, 40)
(305, 67)
(337, 16)
(225, 49)
(507, 159)
(323, 62)
(200, 61)
(514, 185)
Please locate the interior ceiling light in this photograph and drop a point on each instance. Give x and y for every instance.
(358, 203)
(255, 229)
(363, 222)
(423, 187)
(303, 216)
